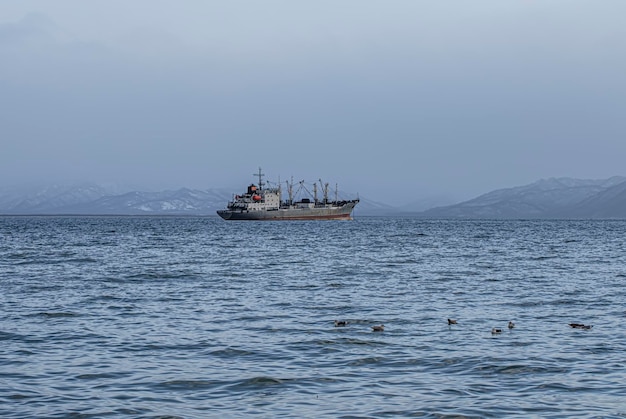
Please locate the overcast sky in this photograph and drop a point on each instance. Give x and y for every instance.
(395, 100)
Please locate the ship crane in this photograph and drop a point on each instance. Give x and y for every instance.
(290, 191)
(314, 195)
(325, 190)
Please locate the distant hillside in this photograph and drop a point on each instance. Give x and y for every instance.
(93, 199)
(546, 198)
(49, 198)
(180, 201)
(87, 199)
(609, 203)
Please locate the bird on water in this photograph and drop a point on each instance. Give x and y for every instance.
(451, 321)
(341, 323)
(511, 325)
(496, 331)
(580, 326)
(380, 328)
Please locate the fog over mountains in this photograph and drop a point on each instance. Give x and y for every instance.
(546, 198)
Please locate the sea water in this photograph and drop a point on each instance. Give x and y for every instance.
(181, 317)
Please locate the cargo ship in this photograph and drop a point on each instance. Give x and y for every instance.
(260, 203)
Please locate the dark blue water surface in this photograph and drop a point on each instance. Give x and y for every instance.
(198, 317)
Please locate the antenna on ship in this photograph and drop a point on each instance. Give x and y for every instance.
(260, 176)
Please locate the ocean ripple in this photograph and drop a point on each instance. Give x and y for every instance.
(182, 317)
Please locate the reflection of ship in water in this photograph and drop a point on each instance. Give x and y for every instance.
(259, 203)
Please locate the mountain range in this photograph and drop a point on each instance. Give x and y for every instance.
(546, 198)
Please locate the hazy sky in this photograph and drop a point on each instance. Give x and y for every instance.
(396, 100)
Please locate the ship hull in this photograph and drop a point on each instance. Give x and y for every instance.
(332, 213)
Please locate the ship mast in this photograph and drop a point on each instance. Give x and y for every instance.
(260, 176)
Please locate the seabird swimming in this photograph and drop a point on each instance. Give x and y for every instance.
(380, 328)
(580, 326)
